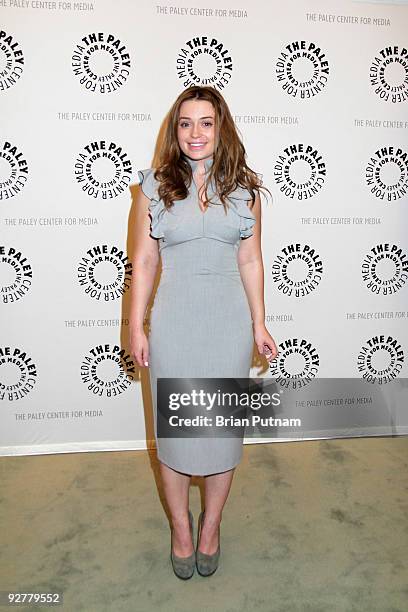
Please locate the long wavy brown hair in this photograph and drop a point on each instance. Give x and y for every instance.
(229, 169)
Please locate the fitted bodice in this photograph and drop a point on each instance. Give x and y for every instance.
(185, 220)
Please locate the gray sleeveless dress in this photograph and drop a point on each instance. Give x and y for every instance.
(200, 325)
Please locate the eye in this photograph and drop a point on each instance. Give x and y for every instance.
(183, 123)
(208, 123)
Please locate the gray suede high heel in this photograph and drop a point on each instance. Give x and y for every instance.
(206, 564)
(183, 567)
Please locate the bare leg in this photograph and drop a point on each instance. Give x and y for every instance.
(176, 490)
(217, 487)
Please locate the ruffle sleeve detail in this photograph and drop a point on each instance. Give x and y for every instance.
(149, 186)
(239, 199)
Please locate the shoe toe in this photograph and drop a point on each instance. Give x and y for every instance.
(183, 567)
(207, 564)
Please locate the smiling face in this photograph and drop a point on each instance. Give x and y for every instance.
(196, 129)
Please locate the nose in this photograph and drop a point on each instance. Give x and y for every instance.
(195, 133)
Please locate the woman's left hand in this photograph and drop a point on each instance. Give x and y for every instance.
(265, 343)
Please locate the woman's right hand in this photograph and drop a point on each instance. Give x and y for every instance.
(139, 347)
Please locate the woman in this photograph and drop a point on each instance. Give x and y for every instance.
(209, 307)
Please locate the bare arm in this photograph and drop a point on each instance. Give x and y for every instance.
(145, 261)
(251, 269)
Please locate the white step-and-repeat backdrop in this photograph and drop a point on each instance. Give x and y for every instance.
(319, 92)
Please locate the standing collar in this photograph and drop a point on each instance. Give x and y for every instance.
(194, 163)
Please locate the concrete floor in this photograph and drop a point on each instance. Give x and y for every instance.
(308, 527)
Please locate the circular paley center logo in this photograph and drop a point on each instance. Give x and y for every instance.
(101, 62)
(297, 363)
(14, 387)
(13, 170)
(380, 359)
(11, 61)
(16, 275)
(297, 270)
(107, 370)
(302, 69)
(385, 269)
(103, 170)
(389, 74)
(386, 173)
(105, 273)
(204, 60)
(300, 171)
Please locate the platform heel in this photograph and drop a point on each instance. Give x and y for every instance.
(184, 567)
(206, 564)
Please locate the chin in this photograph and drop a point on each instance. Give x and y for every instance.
(200, 154)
